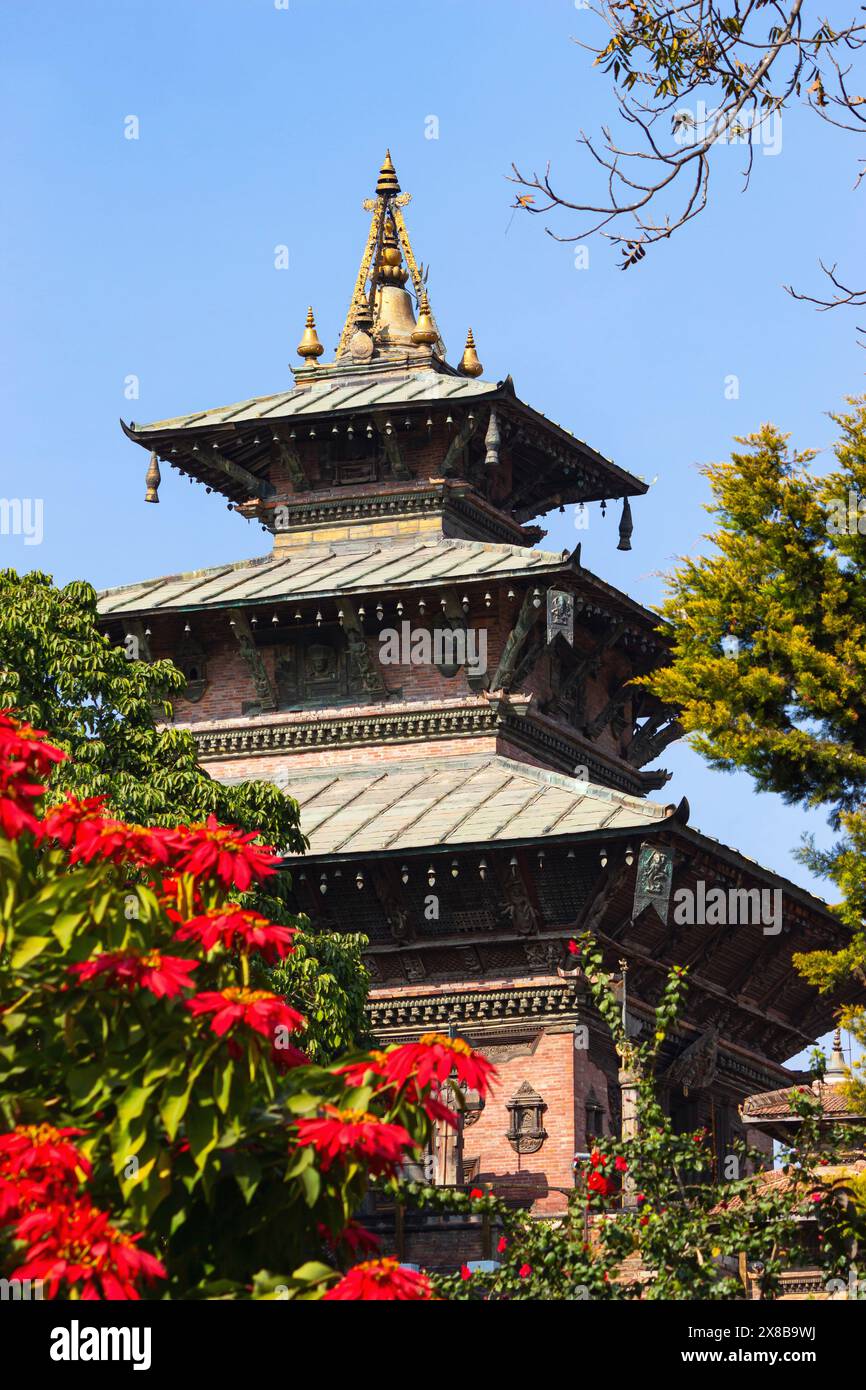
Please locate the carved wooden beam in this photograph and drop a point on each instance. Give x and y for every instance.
(458, 444)
(211, 457)
(399, 467)
(606, 713)
(651, 738)
(359, 654)
(515, 640)
(393, 902)
(291, 461)
(136, 640)
(265, 689)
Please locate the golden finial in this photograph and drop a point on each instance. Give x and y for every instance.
(424, 333)
(309, 346)
(152, 479)
(386, 183)
(389, 267)
(469, 364)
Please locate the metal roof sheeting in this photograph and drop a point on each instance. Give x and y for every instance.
(455, 801)
(327, 396)
(321, 570)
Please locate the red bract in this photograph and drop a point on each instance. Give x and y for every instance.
(348, 1134)
(239, 930)
(82, 828)
(353, 1236)
(17, 1195)
(23, 756)
(257, 1009)
(223, 852)
(434, 1057)
(164, 976)
(381, 1280)
(43, 1153)
(376, 1065)
(23, 750)
(76, 1245)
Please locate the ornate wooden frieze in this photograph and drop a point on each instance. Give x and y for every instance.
(473, 1008)
(315, 670)
(525, 1132)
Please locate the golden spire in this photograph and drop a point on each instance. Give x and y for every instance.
(386, 184)
(309, 346)
(425, 334)
(383, 271)
(469, 364)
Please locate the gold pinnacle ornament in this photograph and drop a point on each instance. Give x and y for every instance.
(309, 346)
(152, 478)
(469, 364)
(386, 183)
(424, 333)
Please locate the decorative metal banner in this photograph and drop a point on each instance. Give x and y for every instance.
(560, 615)
(655, 867)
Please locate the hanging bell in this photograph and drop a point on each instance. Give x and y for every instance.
(626, 526)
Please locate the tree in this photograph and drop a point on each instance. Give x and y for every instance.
(745, 60)
(769, 649)
(61, 673)
(647, 1220)
(163, 1127)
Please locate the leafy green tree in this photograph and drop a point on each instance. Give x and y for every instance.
(769, 650)
(61, 673)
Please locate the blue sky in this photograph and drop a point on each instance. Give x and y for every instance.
(262, 126)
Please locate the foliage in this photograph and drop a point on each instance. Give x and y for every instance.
(688, 77)
(769, 650)
(62, 673)
(647, 1220)
(149, 1086)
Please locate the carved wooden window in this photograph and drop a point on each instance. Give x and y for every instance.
(526, 1133)
(192, 661)
(594, 1117)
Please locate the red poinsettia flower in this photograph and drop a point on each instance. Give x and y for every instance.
(164, 976)
(376, 1065)
(353, 1236)
(83, 828)
(43, 1153)
(237, 929)
(76, 1245)
(573, 948)
(257, 1009)
(350, 1134)
(24, 756)
(18, 1195)
(223, 852)
(620, 1164)
(381, 1280)
(434, 1057)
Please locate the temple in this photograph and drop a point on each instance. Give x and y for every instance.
(459, 714)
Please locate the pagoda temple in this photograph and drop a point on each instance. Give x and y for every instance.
(455, 710)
